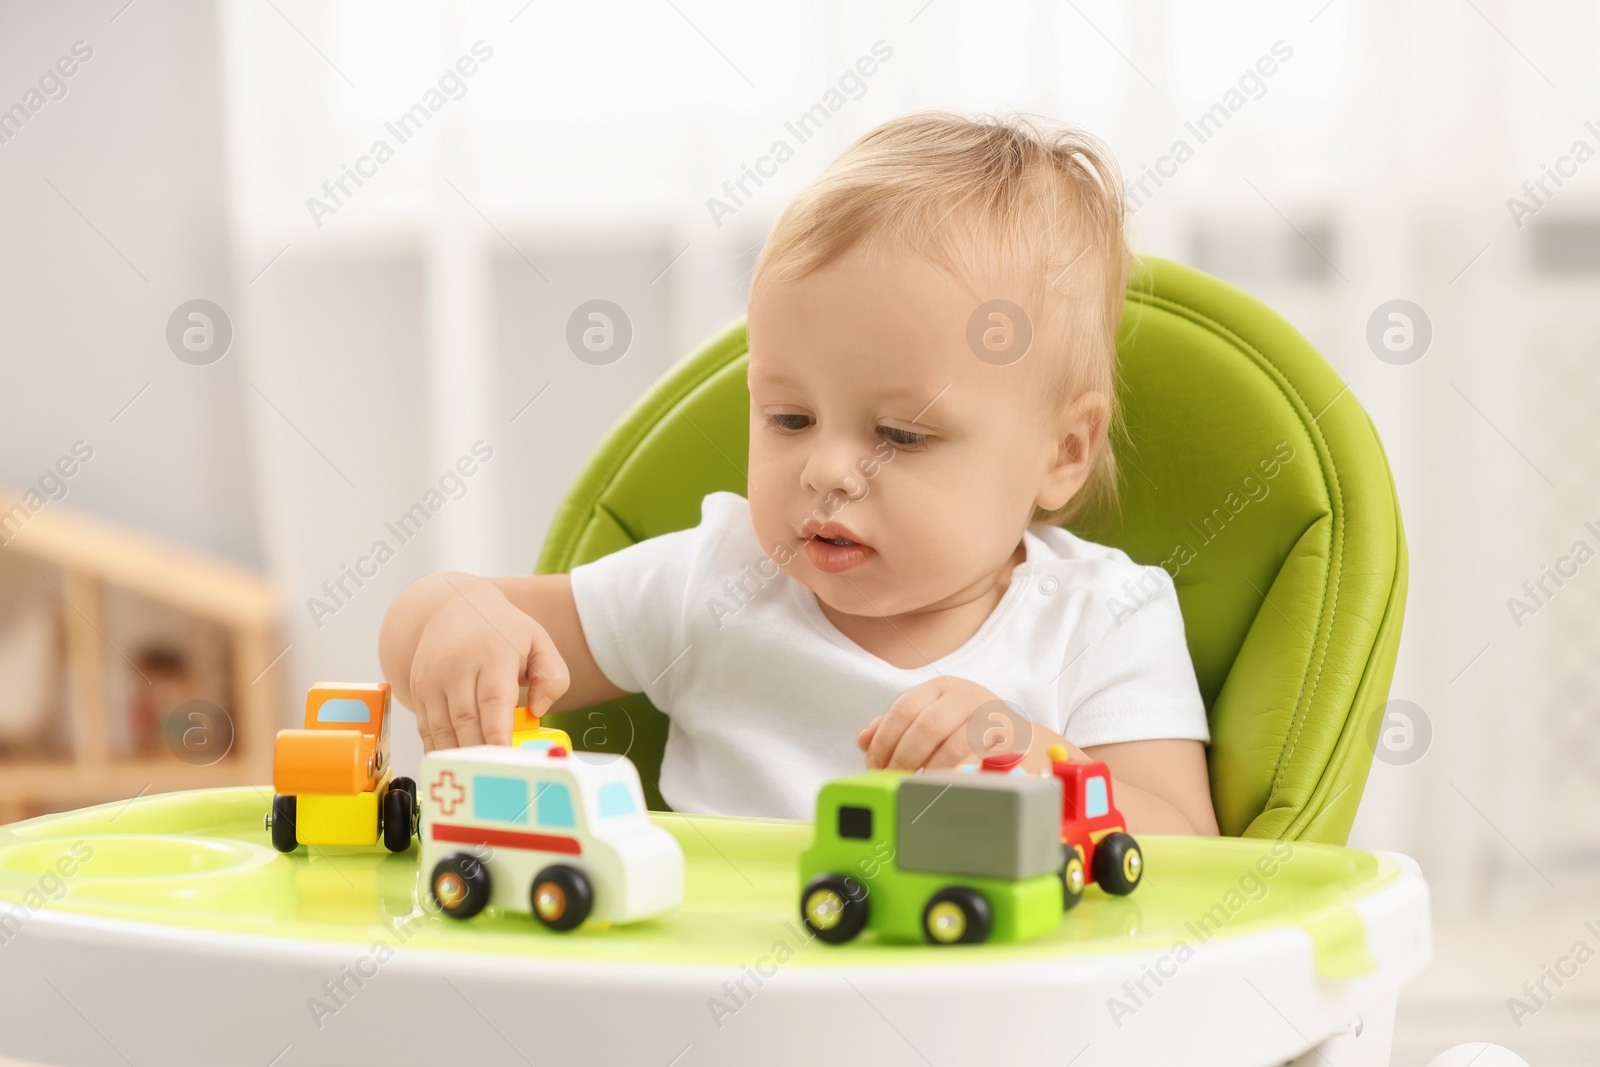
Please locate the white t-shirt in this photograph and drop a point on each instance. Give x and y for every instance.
(765, 696)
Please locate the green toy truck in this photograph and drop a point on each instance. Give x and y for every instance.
(948, 857)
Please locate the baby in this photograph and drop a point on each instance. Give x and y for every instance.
(932, 329)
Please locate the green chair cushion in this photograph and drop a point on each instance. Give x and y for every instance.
(1250, 473)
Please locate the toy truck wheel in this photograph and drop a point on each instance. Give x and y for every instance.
(561, 897)
(1072, 878)
(410, 786)
(399, 816)
(1118, 864)
(460, 885)
(834, 908)
(957, 916)
(283, 835)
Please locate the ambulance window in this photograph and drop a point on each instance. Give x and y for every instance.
(344, 709)
(505, 799)
(1095, 803)
(855, 822)
(616, 800)
(555, 805)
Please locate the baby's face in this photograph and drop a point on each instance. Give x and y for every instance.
(870, 412)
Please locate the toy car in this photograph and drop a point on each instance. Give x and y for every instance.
(331, 780)
(975, 852)
(943, 856)
(527, 733)
(540, 830)
(1092, 826)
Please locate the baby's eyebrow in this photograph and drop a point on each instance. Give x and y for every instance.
(917, 400)
(923, 398)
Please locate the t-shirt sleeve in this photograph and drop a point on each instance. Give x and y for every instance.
(633, 604)
(1135, 682)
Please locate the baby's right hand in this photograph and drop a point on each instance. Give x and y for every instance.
(472, 655)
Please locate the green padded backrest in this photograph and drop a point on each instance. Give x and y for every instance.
(1250, 473)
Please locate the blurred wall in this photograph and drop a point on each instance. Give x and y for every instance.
(116, 199)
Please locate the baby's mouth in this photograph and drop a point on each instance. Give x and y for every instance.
(831, 533)
(831, 549)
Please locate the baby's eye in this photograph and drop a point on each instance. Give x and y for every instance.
(788, 421)
(902, 438)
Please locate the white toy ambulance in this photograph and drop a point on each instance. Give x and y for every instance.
(541, 830)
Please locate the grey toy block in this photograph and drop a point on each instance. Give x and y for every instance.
(982, 825)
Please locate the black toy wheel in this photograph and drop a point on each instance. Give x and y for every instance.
(1072, 878)
(834, 908)
(283, 836)
(399, 817)
(561, 897)
(460, 885)
(957, 916)
(410, 786)
(1118, 864)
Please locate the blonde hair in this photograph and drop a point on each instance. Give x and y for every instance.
(1032, 197)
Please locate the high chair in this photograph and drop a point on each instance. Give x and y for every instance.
(1250, 473)
(165, 929)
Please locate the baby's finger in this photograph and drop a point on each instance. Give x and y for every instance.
(464, 711)
(919, 741)
(426, 701)
(952, 753)
(439, 726)
(440, 732)
(420, 712)
(497, 696)
(906, 707)
(864, 738)
(545, 672)
(936, 723)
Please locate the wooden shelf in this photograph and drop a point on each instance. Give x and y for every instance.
(95, 555)
(172, 574)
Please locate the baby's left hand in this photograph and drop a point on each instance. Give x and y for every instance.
(926, 726)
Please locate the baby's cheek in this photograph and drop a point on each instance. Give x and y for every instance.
(955, 554)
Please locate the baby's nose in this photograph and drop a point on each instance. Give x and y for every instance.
(836, 466)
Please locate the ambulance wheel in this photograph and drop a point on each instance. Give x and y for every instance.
(834, 908)
(460, 885)
(1118, 864)
(957, 916)
(561, 897)
(399, 816)
(283, 836)
(1072, 878)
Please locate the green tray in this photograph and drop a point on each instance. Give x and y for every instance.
(201, 860)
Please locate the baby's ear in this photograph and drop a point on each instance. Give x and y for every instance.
(1081, 433)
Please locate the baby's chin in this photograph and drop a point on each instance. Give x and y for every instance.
(860, 592)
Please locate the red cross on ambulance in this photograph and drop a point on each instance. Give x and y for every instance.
(447, 792)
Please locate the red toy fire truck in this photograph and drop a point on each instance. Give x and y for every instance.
(1096, 846)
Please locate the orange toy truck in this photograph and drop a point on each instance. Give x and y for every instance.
(331, 780)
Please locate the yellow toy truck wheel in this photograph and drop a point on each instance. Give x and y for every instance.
(1118, 864)
(957, 916)
(1072, 879)
(834, 908)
